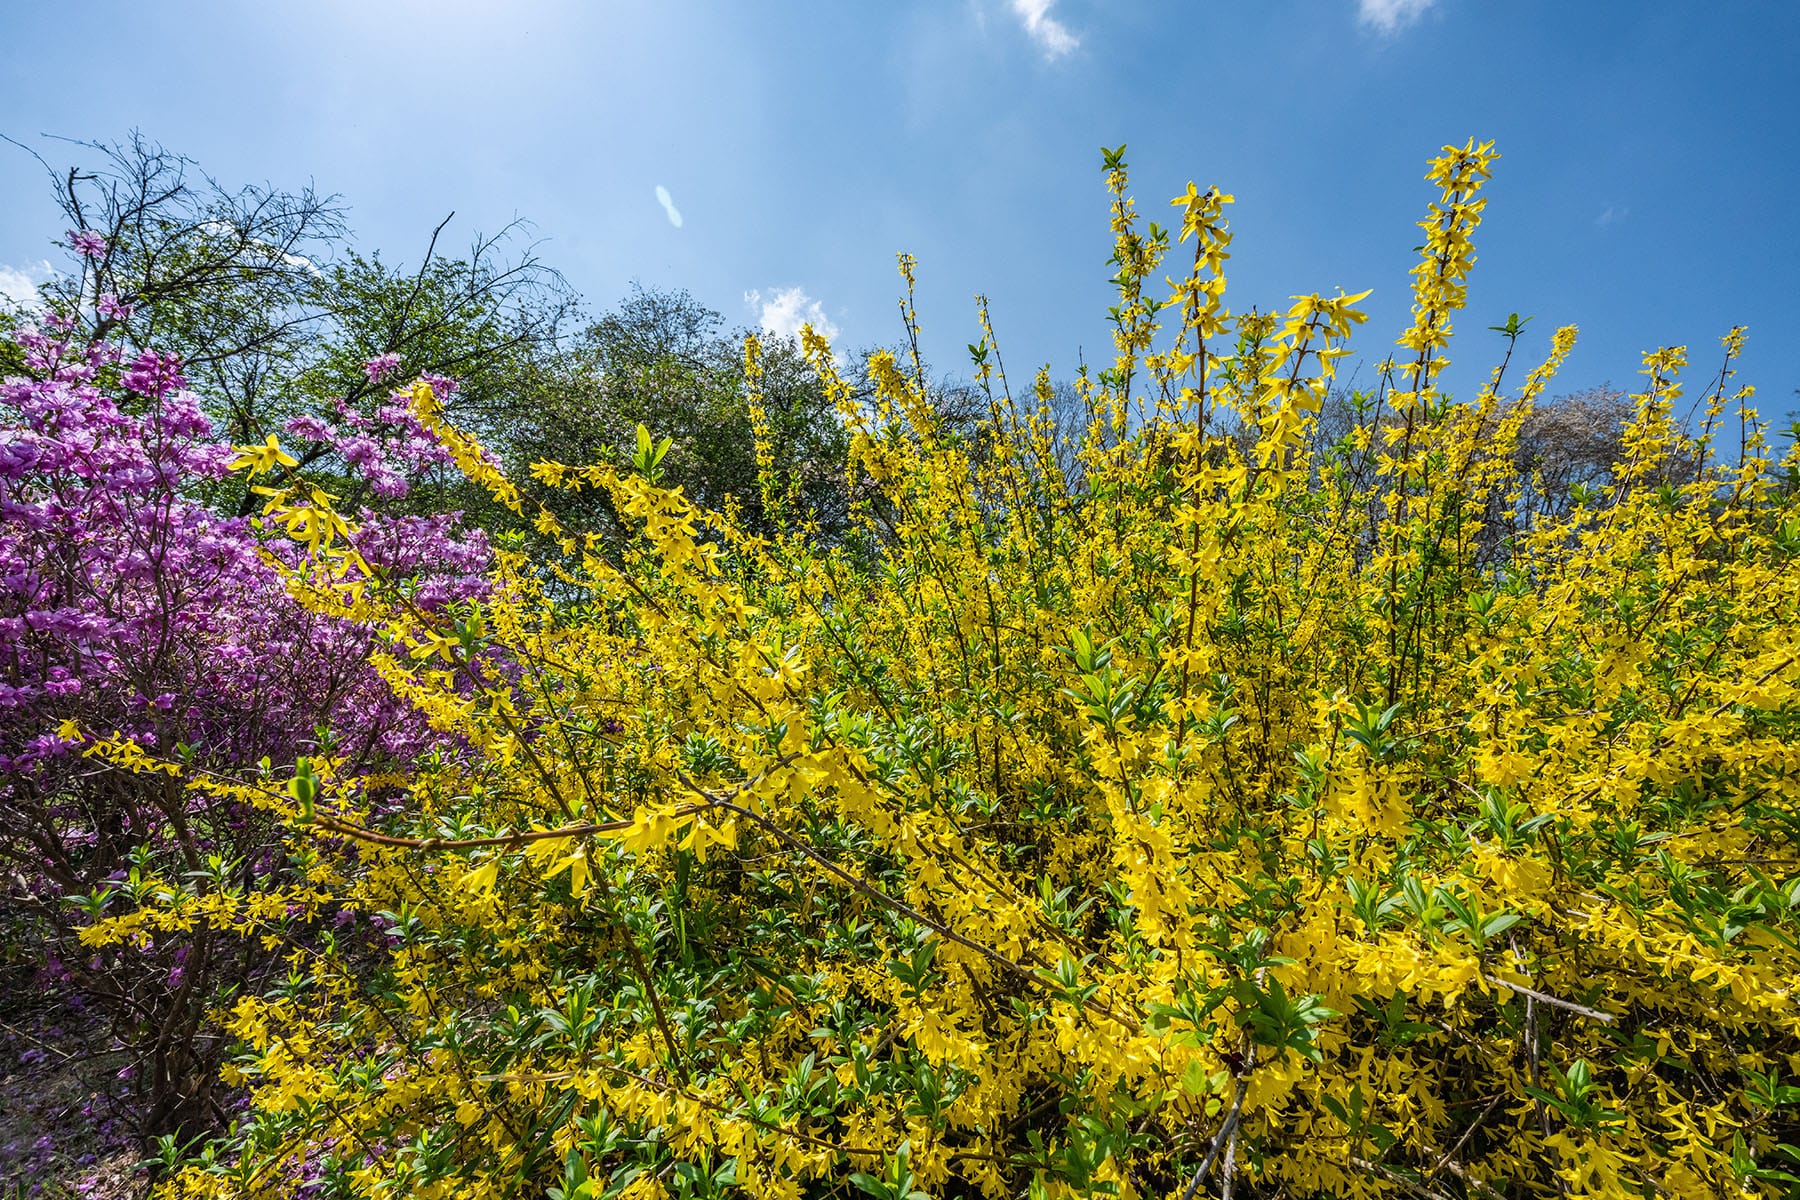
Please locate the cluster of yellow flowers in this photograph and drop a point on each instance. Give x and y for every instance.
(1245, 815)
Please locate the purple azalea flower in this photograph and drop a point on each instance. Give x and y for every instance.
(128, 605)
(87, 243)
(112, 309)
(381, 367)
(153, 374)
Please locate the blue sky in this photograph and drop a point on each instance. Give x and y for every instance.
(1646, 191)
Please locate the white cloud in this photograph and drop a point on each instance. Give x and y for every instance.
(1048, 32)
(668, 202)
(18, 285)
(220, 229)
(1613, 215)
(1391, 16)
(784, 310)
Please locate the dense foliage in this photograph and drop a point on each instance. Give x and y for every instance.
(1245, 808)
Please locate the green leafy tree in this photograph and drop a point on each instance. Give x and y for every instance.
(663, 360)
(271, 310)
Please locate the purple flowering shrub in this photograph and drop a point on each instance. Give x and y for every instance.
(385, 452)
(127, 607)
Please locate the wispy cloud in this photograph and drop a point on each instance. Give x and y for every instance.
(220, 229)
(1612, 216)
(18, 285)
(784, 310)
(1051, 35)
(1391, 16)
(668, 202)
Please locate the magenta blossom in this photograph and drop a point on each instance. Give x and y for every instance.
(129, 608)
(381, 367)
(153, 374)
(388, 450)
(87, 243)
(113, 309)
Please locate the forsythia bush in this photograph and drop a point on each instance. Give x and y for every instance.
(1241, 810)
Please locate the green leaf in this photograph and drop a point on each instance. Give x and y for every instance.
(1195, 1080)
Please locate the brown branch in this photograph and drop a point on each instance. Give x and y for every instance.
(1462, 1141)
(1228, 1130)
(900, 906)
(334, 825)
(1395, 1177)
(1553, 1001)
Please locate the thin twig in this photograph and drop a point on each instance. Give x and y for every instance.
(16, 1032)
(1227, 1131)
(1471, 1182)
(1553, 1001)
(904, 909)
(361, 834)
(1395, 1177)
(1451, 1153)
